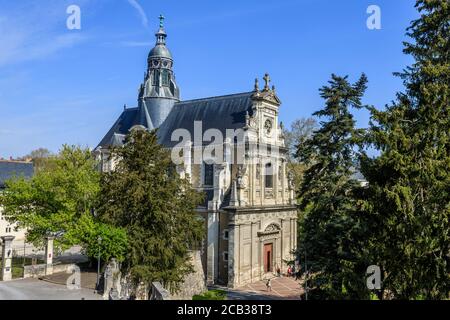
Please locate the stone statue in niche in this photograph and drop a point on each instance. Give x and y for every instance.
(241, 177)
(291, 183)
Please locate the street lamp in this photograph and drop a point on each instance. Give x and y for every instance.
(99, 239)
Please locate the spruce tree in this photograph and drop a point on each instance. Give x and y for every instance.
(145, 195)
(409, 182)
(330, 229)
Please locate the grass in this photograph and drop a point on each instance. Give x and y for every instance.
(18, 263)
(211, 295)
(17, 272)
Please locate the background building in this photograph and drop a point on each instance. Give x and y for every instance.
(10, 169)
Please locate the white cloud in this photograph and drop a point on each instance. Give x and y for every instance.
(140, 11)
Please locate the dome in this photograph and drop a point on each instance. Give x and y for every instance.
(160, 51)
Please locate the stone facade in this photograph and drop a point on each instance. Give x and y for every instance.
(250, 232)
(247, 199)
(10, 229)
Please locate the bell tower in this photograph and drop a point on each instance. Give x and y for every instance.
(159, 91)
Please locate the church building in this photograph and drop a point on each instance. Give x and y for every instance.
(250, 210)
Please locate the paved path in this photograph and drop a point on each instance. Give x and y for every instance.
(88, 279)
(33, 289)
(283, 288)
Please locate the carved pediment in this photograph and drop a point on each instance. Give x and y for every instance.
(270, 230)
(268, 96)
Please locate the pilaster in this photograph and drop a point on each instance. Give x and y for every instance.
(7, 256)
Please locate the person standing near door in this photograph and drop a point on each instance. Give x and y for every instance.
(269, 285)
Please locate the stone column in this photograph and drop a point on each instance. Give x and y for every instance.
(110, 278)
(283, 182)
(212, 260)
(275, 179)
(49, 256)
(187, 152)
(292, 235)
(7, 258)
(233, 255)
(262, 182)
(252, 181)
(295, 233)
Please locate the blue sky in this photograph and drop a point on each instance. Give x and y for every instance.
(69, 86)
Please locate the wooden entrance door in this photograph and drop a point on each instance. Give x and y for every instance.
(268, 257)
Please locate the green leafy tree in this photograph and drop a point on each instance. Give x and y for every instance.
(99, 238)
(332, 229)
(53, 200)
(40, 157)
(409, 183)
(146, 196)
(300, 131)
(58, 200)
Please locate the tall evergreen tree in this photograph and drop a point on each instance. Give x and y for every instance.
(330, 228)
(146, 196)
(409, 183)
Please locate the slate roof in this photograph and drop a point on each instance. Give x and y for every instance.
(222, 113)
(121, 127)
(10, 169)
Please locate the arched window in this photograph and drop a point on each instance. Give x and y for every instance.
(156, 78)
(268, 174)
(208, 179)
(165, 77)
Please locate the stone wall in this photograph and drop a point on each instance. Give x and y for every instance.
(194, 283)
(158, 292)
(38, 270)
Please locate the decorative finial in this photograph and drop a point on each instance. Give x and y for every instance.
(256, 85)
(125, 107)
(273, 89)
(267, 80)
(161, 21)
